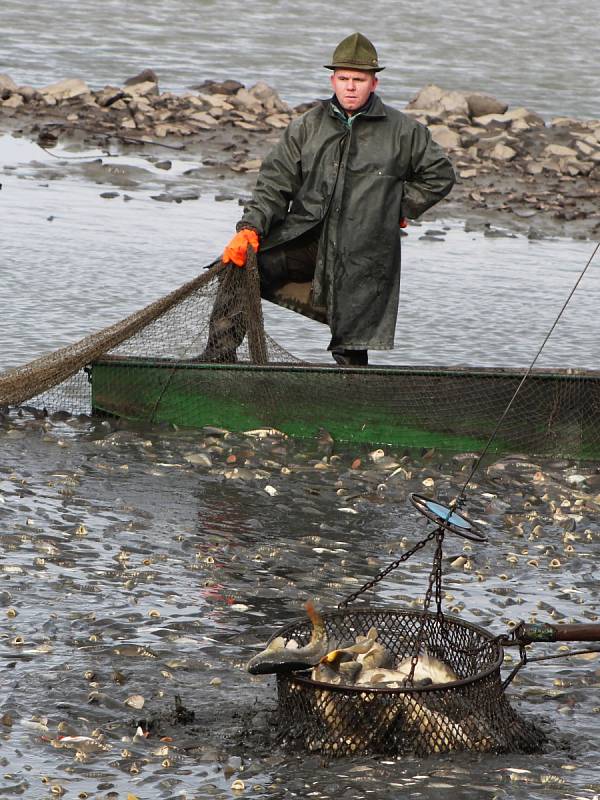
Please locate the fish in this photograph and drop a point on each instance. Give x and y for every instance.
(428, 671)
(441, 734)
(281, 657)
(337, 666)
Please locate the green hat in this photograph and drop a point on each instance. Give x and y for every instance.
(355, 52)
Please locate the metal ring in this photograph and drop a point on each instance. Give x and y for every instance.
(446, 518)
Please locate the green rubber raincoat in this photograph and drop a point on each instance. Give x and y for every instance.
(356, 177)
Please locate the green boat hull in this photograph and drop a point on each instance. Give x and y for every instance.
(452, 409)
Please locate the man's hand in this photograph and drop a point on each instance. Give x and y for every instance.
(237, 249)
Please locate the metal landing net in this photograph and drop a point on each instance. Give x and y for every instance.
(472, 713)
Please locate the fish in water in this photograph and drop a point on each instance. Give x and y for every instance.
(281, 657)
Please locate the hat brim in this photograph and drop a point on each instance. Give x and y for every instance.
(357, 67)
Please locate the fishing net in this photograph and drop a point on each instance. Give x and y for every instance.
(199, 356)
(172, 330)
(471, 714)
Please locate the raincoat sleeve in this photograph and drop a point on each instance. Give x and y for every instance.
(278, 181)
(430, 176)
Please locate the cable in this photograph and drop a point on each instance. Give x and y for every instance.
(461, 497)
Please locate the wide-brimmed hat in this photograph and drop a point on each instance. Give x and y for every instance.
(355, 52)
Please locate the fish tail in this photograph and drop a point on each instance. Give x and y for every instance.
(318, 631)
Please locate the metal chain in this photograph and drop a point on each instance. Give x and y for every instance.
(381, 575)
(434, 583)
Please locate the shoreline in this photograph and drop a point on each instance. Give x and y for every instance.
(515, 171)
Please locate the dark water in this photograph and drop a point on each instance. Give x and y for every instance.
(128, 569)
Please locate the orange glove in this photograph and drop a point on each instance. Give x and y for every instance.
(403, 222)
(237, 249)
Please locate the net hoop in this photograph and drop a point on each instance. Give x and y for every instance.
(293, 629)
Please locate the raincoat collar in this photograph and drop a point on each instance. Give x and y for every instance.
(372, 108)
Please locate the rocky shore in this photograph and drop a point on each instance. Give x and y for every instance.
(515, 170)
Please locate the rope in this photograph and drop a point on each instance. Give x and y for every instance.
(254, 315)
(461, 497)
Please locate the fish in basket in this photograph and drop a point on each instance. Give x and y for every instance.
(348, 682)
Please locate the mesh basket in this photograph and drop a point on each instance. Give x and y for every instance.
(470, 714)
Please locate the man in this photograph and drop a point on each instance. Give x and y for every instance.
(326, 211)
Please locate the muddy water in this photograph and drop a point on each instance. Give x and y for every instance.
(131, 568)
(128, 570)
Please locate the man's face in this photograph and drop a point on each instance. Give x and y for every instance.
(352, 87)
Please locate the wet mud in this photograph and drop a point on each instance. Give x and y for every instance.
(141, 569)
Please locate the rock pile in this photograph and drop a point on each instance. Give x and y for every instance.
(478, 128)
(140, 110)
(509, 161)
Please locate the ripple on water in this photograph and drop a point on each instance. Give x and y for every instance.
(133, 573)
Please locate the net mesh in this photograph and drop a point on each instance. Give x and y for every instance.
(199, 356)
(172, 329)
(473, 714)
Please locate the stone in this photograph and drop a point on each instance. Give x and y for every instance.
(436, 100)
(498, 120)
(522, 113)
(277, 121)
(216, 101)
(247, 126)
(228, 87)
(65, 90)
(142, 89)
(268, 97)
(145, 76)
(482, 104)
(560, 151)
(595, 174)
(446, 138)
(27, 93)
(511, 117)
(584, 148)
(502, 152)
(561, 122)
(428, 97)
(454, 103)
(520, 125)
(534, 168)
(585, 167)
(202, 118)
(109, 95)
(14, 101)
(243, 99)
(468, 173)
(247, 166)
(7, 86)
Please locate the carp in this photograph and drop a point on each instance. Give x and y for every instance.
(282, 657)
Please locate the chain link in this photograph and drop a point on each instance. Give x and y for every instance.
(381, 575)
(434, 583)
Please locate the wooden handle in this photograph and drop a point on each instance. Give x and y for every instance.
(544, 632)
